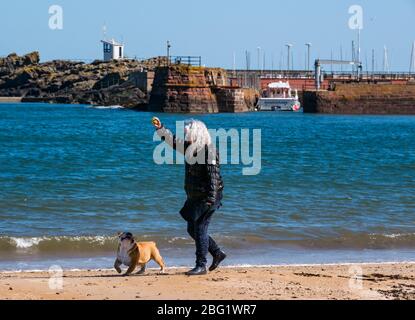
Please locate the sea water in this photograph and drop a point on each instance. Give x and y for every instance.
(332, 188)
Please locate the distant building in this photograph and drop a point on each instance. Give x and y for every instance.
(112, 50)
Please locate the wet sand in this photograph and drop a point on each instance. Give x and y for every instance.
(349, 281)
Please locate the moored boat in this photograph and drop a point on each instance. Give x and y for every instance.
(278, 96)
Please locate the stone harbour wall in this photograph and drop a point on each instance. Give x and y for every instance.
(230, 99)
(189, 89)
(362, 99)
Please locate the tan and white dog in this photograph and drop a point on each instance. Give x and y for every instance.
(131, 254)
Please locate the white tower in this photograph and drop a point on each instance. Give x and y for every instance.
(412, 64)
(112, 50)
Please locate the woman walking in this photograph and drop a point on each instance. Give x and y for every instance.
(203, 186)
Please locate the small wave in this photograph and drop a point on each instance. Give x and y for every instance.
(25, 242)
(393, 235)
(178, 240)
(107, 243)
(59, 243)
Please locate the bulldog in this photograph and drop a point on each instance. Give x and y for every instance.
(132, 254)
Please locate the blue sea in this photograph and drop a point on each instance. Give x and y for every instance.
(332, 188)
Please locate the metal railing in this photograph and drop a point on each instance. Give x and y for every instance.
(79, 60)
(253, 78)
(187, 60)
(310, 74)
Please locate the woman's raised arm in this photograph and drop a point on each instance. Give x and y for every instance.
(166, 135)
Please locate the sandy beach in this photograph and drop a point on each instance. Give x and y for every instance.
(10, 99)
(377, 281)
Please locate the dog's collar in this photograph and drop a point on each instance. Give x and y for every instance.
(133, 248)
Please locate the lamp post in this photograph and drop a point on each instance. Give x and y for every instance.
(412, 64)
(289, 45)
(168, 52)
(385, 60)
(259, 58)
(308, 55)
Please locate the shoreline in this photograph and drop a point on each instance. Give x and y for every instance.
(33, 101)
(10, 99)
(388, 280)
(236, 266)
(31, 259)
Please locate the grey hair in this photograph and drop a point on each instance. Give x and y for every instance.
(198, 134)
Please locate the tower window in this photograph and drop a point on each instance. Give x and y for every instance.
(107, 48)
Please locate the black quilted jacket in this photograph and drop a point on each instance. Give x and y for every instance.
(202, 181)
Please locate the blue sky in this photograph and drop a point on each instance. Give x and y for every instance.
(214, 29)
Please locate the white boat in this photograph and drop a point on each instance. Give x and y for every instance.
(279, 97)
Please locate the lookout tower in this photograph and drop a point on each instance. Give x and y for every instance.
(113, 50)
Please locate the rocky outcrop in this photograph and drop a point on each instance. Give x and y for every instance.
(12, 62)
(59, 81)
(362, 99)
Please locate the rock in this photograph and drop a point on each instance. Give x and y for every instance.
(111, 79)
(31, 58)
(19, 79)
(12, 62)
(33, 92)
(61, 81)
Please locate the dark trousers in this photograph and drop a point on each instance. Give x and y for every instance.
(198, 230)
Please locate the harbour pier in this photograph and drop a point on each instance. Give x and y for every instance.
(339, 92)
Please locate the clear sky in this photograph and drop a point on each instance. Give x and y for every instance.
(214, 29)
